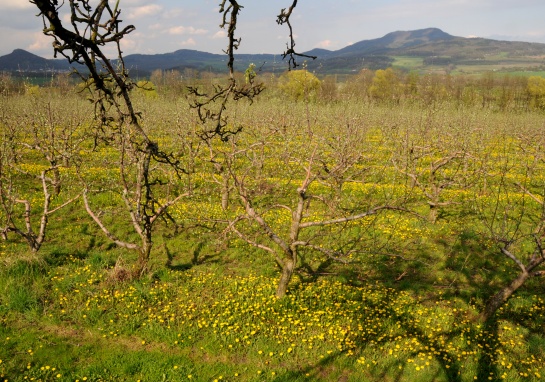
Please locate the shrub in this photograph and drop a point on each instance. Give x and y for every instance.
(300, 85)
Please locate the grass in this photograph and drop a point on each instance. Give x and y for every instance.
(209, 325)
(408, 62)
(404, 310)
(500, 64)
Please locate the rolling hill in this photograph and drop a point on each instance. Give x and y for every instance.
(423, 49)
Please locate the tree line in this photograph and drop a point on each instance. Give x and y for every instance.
(499, 91)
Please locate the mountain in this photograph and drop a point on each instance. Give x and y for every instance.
(22, 61)
(180, 58)
(194, 59)
(396, 40)
(422, 50)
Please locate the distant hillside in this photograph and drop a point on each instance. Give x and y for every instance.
(432, 49)
(422, 50)
(22, 61)
(194, 59)
(396, 41)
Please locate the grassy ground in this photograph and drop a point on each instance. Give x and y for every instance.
(78, 321)
(406, 310)
(409, 63)
(497, 64)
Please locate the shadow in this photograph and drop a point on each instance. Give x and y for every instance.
(59, 257)
(486, 367)
(91, 245)
(449, 366)
(348, 274)
(168, 253)
(468, 266)
(307, 274)
(314, 372)
(197, 258)
(373, 341)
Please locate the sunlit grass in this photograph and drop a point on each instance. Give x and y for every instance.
(372, 328)
(403, 309)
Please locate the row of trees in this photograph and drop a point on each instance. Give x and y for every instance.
(323, 201)
(490, 90)
(309, 185)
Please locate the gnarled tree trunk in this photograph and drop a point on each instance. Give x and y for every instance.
(502, 296)
(287, 272)
(505, 293)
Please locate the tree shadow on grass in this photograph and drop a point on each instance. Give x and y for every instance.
(60, 257)
(478, 274)
(486, 367)
(394, 370)
(313, 372)
(197, 258)
(373, 341)
(474, 276)
(449, 366)
(310, 273)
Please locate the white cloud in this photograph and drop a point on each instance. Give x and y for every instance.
(129, 45)
(134, 3)
(179, 30)
(536, 34)
(174, 13)
(16, 4)
(144, 11)
(325, 44)
(155, 27)
(41, 44)
(219, 35)
(176, 30)
(188, 42)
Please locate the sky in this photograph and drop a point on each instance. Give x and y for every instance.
(164, 26)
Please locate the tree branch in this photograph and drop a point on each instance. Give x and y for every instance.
(110, 235)
(514, 258)
(372, 211)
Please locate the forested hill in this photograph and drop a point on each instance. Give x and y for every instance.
(424, 49)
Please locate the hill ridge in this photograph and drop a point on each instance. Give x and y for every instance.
(427, 47)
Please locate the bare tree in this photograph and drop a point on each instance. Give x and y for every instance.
(93, 26)
(211, 108)
(313, 201)
(435, 160)
(284, 18)
(516, 223)
(444, 171)
(142, 203)
(30, 134)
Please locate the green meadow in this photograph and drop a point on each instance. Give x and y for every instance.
(403, 209)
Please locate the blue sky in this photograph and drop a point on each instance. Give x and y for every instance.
(167, 25)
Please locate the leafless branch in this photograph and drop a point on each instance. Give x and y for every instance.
(530, 194)
(333, 255)
(372, 211)
(101, 225)
(284, 18)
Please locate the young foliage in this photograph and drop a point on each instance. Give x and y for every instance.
(300, 85)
